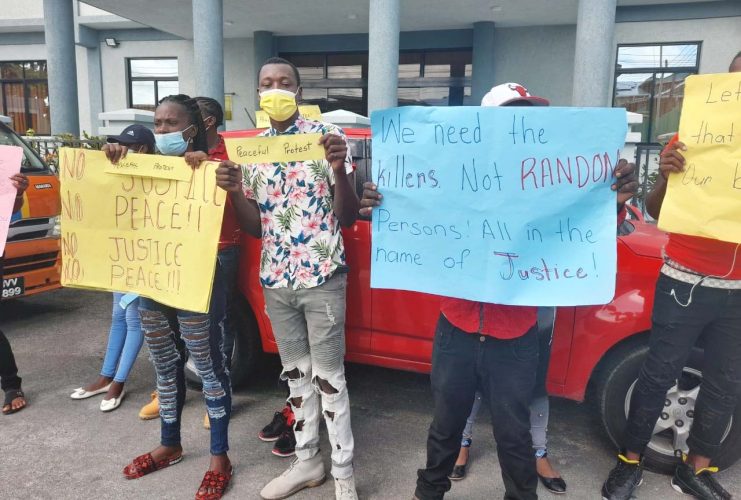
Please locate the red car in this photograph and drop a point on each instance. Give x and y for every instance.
(597, 350)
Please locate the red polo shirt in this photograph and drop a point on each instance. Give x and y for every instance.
(230, 231)
(495, 320)
(705, 256)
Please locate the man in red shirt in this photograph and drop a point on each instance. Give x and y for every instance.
(228, 256)
(698, 294)
(492, 348)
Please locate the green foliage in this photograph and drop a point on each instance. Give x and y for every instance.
(285, 219)
(322, 250)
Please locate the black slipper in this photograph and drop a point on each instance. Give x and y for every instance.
(10, 396)
(459, 472)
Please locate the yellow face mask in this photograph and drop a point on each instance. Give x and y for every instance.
(279, 104)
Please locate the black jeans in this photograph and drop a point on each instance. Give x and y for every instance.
(9, 379)
(715, 314)
(504, 372)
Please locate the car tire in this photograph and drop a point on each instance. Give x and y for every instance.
(247, 348)
(617, 376)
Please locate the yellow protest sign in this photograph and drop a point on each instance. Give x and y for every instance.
(278, 148)
(161, 167)
(705, 199)
(154, 237)
(308, 111)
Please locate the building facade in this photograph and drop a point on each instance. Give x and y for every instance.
(63, 62)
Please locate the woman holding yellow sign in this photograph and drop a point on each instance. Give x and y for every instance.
(179, 131)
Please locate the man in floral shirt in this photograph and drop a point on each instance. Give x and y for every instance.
(300, 207)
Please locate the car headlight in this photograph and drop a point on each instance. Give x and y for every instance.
(56, 230)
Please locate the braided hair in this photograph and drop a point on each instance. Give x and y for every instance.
(211, 107)
(190, 105)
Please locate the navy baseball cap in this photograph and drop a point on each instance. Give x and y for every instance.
(134, 134)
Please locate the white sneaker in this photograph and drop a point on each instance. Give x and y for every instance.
(344, 489)
(299, 475)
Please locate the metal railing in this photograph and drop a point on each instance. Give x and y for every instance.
(47, 147)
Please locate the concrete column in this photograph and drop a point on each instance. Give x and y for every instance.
(595, 30)
(383, 54)
(263, 48)
(59, 32)
(95, 75)
(482, 78)
(208, 48)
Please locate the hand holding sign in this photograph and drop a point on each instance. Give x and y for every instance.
(672, 160)
(335, 150)
(626, 184)
(229, 177)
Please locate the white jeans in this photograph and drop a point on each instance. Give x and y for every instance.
(309, 328)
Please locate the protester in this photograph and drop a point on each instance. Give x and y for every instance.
(304, 276)
(279, 430)
(10, 382)
(698, 294)
(125, 337)
(539, 414)
(179, 131)
(492, 348)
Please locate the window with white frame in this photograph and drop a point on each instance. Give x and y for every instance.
(649, 79)
(151, 79)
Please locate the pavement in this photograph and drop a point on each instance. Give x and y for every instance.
(59, 448)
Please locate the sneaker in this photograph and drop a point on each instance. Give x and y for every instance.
(285, 446)
(699, 484)
(344, 489)
(150, 410)
(275, 428)
(623, 479)
(299, 475)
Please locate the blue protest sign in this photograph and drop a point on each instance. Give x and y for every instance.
(508, 205)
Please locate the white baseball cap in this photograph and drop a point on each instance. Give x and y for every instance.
(506, 93)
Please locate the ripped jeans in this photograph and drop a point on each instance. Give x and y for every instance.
(202, 335)
(309, 328)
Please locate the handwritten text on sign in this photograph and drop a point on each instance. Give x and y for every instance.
(502, 205)
(10, 164)
(705, 199)
(279, 148)
(158, 166)
(154, 237)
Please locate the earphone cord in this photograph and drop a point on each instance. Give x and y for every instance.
(692, 290)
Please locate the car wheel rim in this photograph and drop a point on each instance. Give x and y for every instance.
(673, 426)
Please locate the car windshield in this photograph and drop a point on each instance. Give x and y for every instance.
(31, 163)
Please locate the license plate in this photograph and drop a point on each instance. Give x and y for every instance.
(13, 287)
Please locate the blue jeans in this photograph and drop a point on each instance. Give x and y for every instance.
(202, 336)
(714, 314)
(124, 340)
(229, 262)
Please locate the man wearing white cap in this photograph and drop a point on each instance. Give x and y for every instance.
(491, 348)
